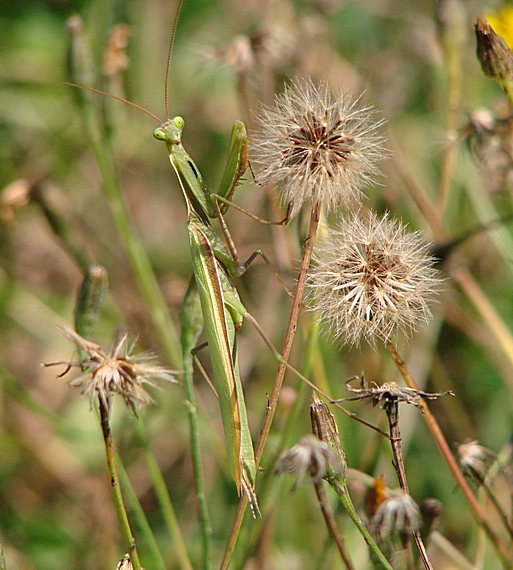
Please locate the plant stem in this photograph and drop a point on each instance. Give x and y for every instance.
(116, 488)
(280, 374)
(444, 448)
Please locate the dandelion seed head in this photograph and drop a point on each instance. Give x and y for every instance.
(372, 278)
(116, 372)
(318, 145)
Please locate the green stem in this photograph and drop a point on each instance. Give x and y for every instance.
(116, 487)
(191, 323)
(157, 561)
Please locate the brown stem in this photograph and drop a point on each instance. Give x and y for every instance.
(445, 450)
(280, 374)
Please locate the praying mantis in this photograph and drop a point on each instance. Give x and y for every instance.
(221, 308)
(214, 265)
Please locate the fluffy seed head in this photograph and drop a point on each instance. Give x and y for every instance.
(116, 371)
(371, 278)
(318, 145)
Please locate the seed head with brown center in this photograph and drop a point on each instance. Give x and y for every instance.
(320, 146)
(372, 277)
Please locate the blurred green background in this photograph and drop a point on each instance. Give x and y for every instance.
(416, 63)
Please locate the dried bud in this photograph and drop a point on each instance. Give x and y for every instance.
(115, 60)
(431, 511)
(325, 428)
(493, 53)
(372, 278)
(309, 459)
(321, 147)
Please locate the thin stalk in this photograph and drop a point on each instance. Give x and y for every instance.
(500, 511)
(166, 506)
(392, 411)
(331, 523)
(453, 23)
(280, 374)
(445, 450)
(191, 323)
(116, 487)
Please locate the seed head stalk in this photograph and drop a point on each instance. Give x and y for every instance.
(445, 450)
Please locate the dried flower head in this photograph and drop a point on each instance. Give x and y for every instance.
(318, 145)
(117, 371)
(398, 513)
(389, 394)
(475, 460)
(372, 277)
(309, 459)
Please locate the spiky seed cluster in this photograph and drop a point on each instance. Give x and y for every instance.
(115, 372)
(371, 278)
(318, 145)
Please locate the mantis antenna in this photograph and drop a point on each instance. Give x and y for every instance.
(169, 55)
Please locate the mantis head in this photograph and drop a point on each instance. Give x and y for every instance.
(170, 131)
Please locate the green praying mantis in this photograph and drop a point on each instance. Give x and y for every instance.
(222, 310)
(212, 292)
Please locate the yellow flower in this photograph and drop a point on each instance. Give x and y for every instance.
(502, 23)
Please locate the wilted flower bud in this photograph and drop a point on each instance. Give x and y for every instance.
(90, 298)
(475, 460)
(321, 147)
(372, 278)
